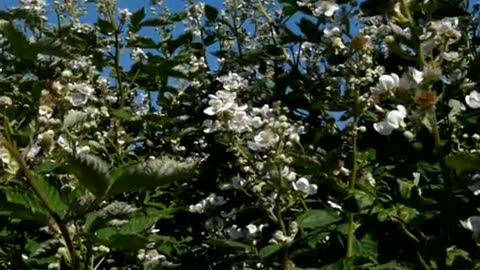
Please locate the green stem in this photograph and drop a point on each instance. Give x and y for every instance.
(284, 256)
(415, 33)
(351, 216)
(43, 198)
(235, 30)
(446, 213)
(118, 73)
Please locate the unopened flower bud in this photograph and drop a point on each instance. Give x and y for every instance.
(408, 135)
(362, 129)
(67, 74)
(294, 137)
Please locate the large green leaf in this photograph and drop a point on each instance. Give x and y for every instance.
(27, 200)
(138, 224)
(13, 210)
(317, 218)
(463, 162)
(53, 196)
(115, 240)
(91, 171)
(19, 43)
(136, 19)
(367, 247)
(211, 12)
(115, 210)
(151, 174)
(269, 250)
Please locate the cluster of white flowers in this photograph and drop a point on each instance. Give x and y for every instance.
(303, 185)
(321, 8)
(138, 55)
(279, 237)
(394, 120)
(36, 7)
(151, 259)
(211, 202)
(125, 14)
(439, 32)
(193, 20)
(387, 82)
(249, 232)
(80, 93)
(473, 99)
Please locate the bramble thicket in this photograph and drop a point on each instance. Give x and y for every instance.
(217, 143)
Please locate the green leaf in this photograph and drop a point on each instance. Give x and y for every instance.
(455, 254)
(113, 239)
(367, 247)
(211, 13)
(115, 210)
(317, 218)
(316, 237)
(309, 29)
(122, 114)
(138, 224)
(26, 199)
(46, 167)
(463, 162)
(182, 40)
(156, 22)
(19, 44)
(54, 198)
(405, 188)
(363, 199)
(128, 242)
(407, 213)
(13, 210)
(105, 26)
(91, 171)
(137, 17)
(269, 250)
(151, 174)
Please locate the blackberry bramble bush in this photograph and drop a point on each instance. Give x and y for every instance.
(253, 135)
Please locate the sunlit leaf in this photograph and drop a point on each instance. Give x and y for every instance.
(317, 218)
(91, 171)
(151, 174)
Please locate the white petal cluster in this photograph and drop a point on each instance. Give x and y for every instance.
(81, 94)
(473, 99)
(34, 6)
(264, 140)
(386, 82)
(233, 82)
(303, 185)
(138, 55)
(222, 101)
(211, 201)
(394, 120)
